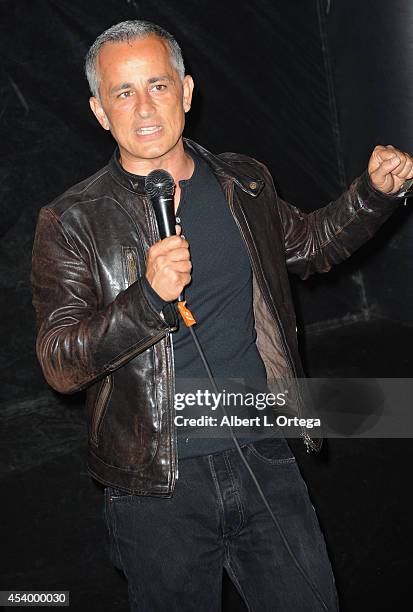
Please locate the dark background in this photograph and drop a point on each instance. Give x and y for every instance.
(309, 87)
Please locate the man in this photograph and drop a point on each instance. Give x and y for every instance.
(104, 288)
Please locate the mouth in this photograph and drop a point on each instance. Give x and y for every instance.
(148, 130)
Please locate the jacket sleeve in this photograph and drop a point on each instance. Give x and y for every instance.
(78, 343)
(317, 240)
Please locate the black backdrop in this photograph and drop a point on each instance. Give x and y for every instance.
(308, 86)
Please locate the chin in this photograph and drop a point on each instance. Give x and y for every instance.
(148, 151)
(155, 152)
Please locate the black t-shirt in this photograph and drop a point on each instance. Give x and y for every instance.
(220, 298)
(220, 292)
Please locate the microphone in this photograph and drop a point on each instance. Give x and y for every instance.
(160, 187)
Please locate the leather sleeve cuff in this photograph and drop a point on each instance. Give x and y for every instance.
(405, 190)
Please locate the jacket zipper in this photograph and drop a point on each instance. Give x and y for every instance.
(131, 267)
(171, 387)
(141, 347)
(169, 360)
(100, 405)
(277, 321)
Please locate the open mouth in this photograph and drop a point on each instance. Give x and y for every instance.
(147, 131)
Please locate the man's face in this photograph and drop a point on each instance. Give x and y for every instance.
(142, 102)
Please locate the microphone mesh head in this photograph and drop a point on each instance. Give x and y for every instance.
(159, 183)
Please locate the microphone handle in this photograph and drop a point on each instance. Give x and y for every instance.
(165, 217)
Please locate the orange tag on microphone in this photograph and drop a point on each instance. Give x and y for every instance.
(186, 314)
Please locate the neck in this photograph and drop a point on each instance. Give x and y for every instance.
(179, 164)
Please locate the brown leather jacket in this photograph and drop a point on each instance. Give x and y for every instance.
(97, 330)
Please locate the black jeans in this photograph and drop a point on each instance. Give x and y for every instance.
(173, 551)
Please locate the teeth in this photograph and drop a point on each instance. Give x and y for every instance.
(149, 130)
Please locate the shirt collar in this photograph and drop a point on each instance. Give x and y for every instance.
(250, 183)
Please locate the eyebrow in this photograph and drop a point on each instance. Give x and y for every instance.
(119, 87)
(155, 79)
(163, 77)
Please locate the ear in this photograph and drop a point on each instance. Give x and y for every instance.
(99, 113)
(188, 88)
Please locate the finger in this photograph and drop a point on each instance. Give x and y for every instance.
(179, 232)
(385, 168)
(406, 170)
(183, 267)
(388, 156)
(384, 152)
(178, 255)
(176, 275)
(173, 242)
(385, 155)
(400, 167)
(164, 247)
(175, 239)
(184, 279)
(379, 155)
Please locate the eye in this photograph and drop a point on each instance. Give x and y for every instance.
(124, 94)
(158, 87)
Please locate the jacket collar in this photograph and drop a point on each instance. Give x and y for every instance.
(250, 183)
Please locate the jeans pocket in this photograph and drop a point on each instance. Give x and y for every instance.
(114, 494)
(274, 451)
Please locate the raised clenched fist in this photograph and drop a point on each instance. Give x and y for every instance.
(389, 168)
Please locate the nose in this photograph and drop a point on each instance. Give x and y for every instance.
(144, 104)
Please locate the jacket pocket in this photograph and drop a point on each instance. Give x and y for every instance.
(131, 267)
(100, 406)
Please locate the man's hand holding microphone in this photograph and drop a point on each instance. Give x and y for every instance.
(168, 266)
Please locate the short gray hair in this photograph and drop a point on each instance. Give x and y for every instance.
(126, 31)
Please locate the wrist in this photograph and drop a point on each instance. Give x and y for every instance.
(153, 297)
(405, 189)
